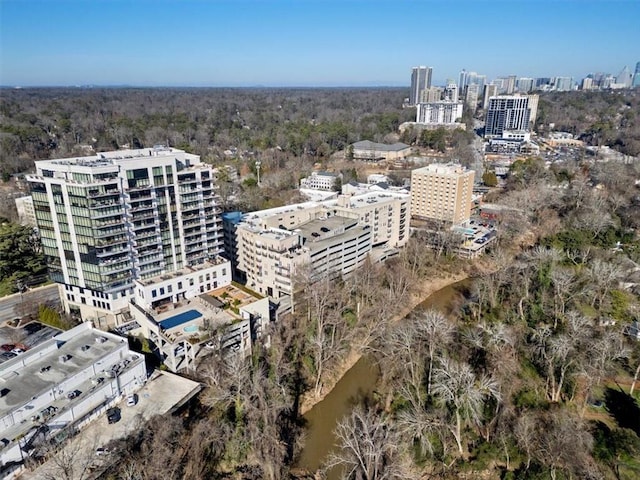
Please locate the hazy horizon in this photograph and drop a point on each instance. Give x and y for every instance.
(313, 43)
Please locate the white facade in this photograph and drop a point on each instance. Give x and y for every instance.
(183, 284)
(439, 112)
(26, 213)
(109, 219)
(96, 366)
(321, 181)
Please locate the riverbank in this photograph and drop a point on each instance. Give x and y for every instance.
(424, 291)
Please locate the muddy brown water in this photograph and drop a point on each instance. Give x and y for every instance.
(357, 383)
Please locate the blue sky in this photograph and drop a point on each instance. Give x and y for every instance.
(308, 42)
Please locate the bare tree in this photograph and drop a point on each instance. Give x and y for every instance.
(368, 447)
(457, 388)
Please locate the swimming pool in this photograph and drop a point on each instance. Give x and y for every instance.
(190, 329)
(179, 319)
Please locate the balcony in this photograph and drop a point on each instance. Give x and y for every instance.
(104, 204)
(112, 241)
(103, 193)
(116, 268)
(146, 260)
(109, 233)
(112, 251)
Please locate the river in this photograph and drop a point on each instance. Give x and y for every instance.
(357, 383)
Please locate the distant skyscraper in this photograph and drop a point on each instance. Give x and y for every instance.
(563, 84)
(490, 90)
(624, 77)
(420, 79)
(451, 92)
(471, 96)
(511, 84)
(587, 83)
(462, 80)
(636, 76)
(524, 84)
(509, 113)
(431, 94)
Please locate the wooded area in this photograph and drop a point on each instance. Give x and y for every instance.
(532, 377)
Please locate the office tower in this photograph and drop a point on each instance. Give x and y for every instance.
(116, 217)
(462, 79)
(542, 83)
(490, 90)
(524, 84)
(511, 84)
(587, 83)
(471, 96)
(563, 84)
(624, 77)
(442, 192)
(445, 112)
(636, 76)
(451, 92)
(507, 113)
(420, 79)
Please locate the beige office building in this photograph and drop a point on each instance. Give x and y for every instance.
(442, 192)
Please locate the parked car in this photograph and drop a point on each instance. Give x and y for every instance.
(73, 394)
(17, 351)
(113, 415)
(132, 400)
(102, 451)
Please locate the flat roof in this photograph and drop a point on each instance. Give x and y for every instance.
(323, 228)
(23, 382)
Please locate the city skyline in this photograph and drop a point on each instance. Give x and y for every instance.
(312, 43)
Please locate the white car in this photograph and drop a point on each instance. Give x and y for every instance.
(131, 400)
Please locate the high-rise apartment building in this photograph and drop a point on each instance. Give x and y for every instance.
(431, 94)
(439, 112)
(587, 83)
(472, 92)
(116, 217)
(506, 113)
(451, 92)
(442, 192)
(524, 84)
(490, 90)
(563, 84)
(420, 79)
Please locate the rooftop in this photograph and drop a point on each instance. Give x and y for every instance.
(382, 147)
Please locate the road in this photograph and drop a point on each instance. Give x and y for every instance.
(14, 306)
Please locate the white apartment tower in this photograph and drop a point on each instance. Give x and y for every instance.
(115, 217)
(442, 192)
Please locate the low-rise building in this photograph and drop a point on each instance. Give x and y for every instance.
(229, 320)
(327, 181)
(374, 152)
(60, 385)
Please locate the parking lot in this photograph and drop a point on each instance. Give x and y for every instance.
(28, 336)
(163, 393)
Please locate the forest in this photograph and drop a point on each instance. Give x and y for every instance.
(532, 375)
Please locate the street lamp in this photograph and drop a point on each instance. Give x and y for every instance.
(258, 163)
